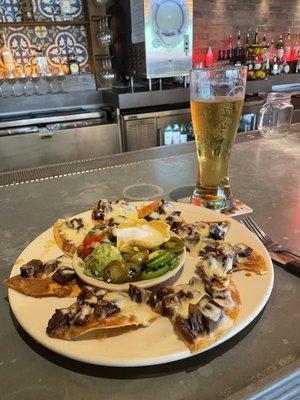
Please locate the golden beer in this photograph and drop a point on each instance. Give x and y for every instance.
(215, 123)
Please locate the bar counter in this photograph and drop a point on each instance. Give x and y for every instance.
(261, 362)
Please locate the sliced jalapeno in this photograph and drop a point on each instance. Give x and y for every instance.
(171, 264)
(133, 272)
(174, 244)
(154, 274)
(115, 272)
(139, 257)
(158, 258)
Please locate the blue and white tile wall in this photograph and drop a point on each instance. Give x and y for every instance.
(44, 10)
(56, 41)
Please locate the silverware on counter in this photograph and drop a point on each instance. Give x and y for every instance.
(290, 260)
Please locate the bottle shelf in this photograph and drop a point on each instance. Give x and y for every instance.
(41, 23)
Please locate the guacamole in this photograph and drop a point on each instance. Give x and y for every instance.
(96, 262)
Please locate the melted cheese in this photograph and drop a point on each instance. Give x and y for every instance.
(65, 261)
(212, 267)
(167, 208)
(122, 212)
(198, 291)
(195, 248)
(225, 323)
(210, 310)
(204, 231)
(73, 235)
(226, 302)
(141, 312)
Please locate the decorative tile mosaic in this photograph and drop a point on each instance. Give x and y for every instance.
(57, 42)
(10, 11)
(44, 10)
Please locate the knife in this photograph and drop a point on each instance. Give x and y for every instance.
(288, 262)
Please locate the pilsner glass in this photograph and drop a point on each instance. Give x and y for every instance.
(217, 98)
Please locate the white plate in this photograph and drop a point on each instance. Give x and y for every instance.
(125, 286)
(157, 343)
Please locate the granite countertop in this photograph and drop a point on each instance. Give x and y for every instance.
(261, 362)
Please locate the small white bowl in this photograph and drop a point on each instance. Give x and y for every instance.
(125, 286)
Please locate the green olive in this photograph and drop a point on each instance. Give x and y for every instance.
(139, 257)
(133, 272)
(115, 272)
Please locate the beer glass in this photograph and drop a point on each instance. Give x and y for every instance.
(217, 97)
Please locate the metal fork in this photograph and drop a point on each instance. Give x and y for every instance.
(265, 239)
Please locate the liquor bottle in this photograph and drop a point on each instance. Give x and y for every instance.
(280, 49)
(257, 64)
(74, 67)
(295, 48)
(247, 42)
(65, 9)
(249, 62)
(219, 59)
(288, 47)
(27, 10)
(238, 41)
(230, 42)
(272, 50)
(298, 63)
(224, 56)
(42, 63)
(256, 36)
(228, 56)
(266, 64)
(237, 53)
(285, 67)
(264, 41)
(275, 66)
(8, 59)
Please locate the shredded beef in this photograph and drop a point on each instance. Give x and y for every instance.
(50, 266)
(169, 305)
(75, 223)
(217, 231)
(137, 294)
(105, 308)
(82, 317)
(63, 276)
(174, 220)
(195, 319)
(182, 324)
(32, 268)
(58, 320)
(163, 291)
(184, 294)
(84, 295)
